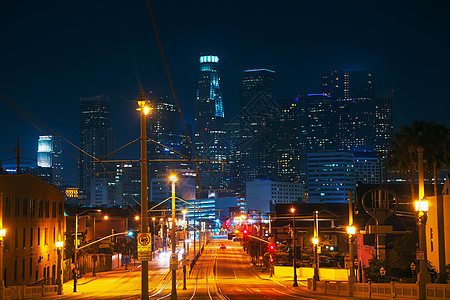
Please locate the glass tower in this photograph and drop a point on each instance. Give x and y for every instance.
(209, 124)
(96, 138)
(49, 159)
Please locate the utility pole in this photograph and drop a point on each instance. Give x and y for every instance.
(144, 109)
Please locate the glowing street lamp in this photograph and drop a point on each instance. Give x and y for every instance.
(59, 246)
(174, 257)
(75, 269)
(315, 241)
(2, 236)
(145, 109)
(295, 284)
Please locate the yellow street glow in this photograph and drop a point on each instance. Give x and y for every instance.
(59, 244)
(421, 205)
(315, 241)
(2, 232)
(351, 229)
(173, 178)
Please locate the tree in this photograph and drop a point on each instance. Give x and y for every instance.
(402, 157)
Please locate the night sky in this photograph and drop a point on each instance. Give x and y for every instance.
(53, 52)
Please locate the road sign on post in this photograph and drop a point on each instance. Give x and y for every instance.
(174, 261)
(144, 247)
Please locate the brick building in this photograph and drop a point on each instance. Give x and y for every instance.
(33, 216)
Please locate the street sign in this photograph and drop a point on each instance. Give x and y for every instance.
(174, 261)
(144, 247)
(420, 254)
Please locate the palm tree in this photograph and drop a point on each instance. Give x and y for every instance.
(402, 157)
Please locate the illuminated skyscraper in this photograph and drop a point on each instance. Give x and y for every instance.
(255, 82)
(209, 124)
(49, 159)
(96, 138)
(364, 122)
(254, 156)
(164, 126)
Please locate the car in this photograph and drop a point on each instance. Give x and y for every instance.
(222, 246)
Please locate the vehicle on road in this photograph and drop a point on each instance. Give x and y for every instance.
(222, 246)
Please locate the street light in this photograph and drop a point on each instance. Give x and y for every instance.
(351, 231)
(2, 236)
(423, 277)
(295, 284)
(184, 211)
(59, 246)
(174, 256)
(75, 269)
(316, 243)
(144, 109)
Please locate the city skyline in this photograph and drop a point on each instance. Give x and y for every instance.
(47, 68)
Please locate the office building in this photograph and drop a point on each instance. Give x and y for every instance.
(49, 159)
(254, 158)
(255, 82)
(164, 127)
(367, 167)
(96, 139)
(330, 176)
(209, 124)
(364, 121)
(262, 195)
(284, 153)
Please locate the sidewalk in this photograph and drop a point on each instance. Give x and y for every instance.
(131, 267)
(288, 282)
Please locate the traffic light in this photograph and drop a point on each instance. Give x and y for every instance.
(130, 233)
(272, 247)
(245, 233)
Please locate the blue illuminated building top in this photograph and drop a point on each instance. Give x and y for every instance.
(258, 70)
(209, 59)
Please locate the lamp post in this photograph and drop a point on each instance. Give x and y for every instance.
(295, 284)
(2, 236)
(153, 236)
(316, 243)
(75, 269)
(59, 246)
(423, 277)
(351, 230)
(144, 109)
(413, 269)
(184, 211)
(174, 256)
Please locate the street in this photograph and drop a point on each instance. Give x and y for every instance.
(219, 274)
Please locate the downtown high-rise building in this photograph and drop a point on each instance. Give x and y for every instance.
(96, 138)
(252, 156)
(49, 156)
(165, 128)
(364, 122)
(209, 124)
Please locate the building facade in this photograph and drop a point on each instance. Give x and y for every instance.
(33, 216)
(263, 194)
(330, 176)
(364, 121)
(96, 139)
(49, 159)
(164, 127)
(209, 124)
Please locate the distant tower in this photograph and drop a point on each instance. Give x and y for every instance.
(209, 124)
(49, 159)
(164, 126)
(96, 138)
(258, 110)
(364, 122)
(255, 82)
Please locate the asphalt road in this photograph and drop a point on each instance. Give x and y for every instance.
(223, 274)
